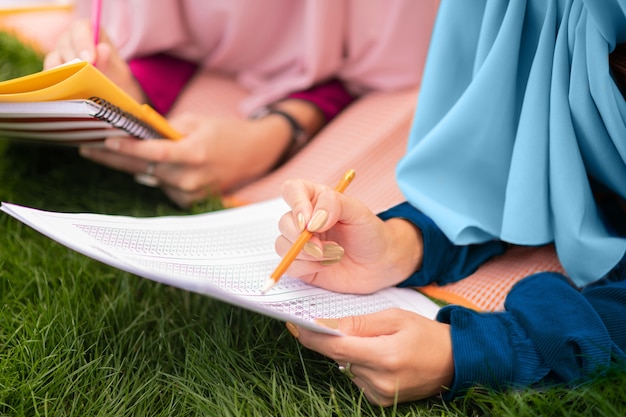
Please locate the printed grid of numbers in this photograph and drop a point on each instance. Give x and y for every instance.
(185, 243)
(240, 279)
(333, 305)
(231, 278)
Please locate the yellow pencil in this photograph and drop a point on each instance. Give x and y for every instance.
(304, 237)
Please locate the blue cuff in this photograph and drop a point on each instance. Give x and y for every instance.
(443, 262)
(490, 350)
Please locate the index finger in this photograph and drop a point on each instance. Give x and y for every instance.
(363, 339)
(77, 43)
(301, 196)
(158, 150)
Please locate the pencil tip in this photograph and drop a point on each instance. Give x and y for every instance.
(268, 285)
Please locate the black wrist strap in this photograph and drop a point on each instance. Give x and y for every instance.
(299, 137)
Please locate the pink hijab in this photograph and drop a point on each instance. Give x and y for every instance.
(275, 47)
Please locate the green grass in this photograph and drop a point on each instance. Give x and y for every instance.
(79, 338)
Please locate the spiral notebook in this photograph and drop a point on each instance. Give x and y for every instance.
(73, 122)
(74, 104)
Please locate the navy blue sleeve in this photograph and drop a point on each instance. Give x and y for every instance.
(549, 331)
(443, 262)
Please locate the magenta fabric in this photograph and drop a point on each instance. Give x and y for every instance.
(162, 77)
(330, 97)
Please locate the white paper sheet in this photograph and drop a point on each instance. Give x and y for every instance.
(227, 255)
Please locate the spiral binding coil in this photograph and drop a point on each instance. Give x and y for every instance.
(123, 120)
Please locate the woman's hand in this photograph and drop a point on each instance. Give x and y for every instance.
(77, 43)
(394, 355)
(352, 250)
(214, 155)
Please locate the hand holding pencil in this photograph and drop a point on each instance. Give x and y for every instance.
(351, 249)
(304, 237)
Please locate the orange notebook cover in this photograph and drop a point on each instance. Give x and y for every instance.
(79, 89)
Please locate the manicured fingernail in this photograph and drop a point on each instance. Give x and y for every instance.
(332, 251)
(292, 329)
(318, 220)
(330, 261)
(313, 250)
(301, 221)
(330, 323)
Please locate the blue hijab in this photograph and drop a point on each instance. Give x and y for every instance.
(517, 110)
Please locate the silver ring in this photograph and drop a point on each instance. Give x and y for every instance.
(346, 370)
(147, 178)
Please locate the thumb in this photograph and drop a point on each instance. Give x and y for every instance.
(382, 323)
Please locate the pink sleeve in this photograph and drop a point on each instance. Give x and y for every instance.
(330, 97)
(162, 77)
